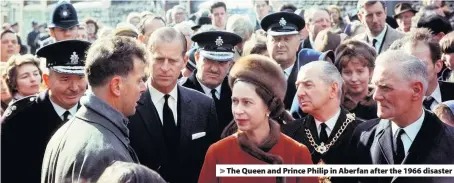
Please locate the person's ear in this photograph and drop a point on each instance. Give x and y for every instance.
(140, 38)
(52, 33)
(196, 56)
(46, 80)
(418, 90)
(438, 66)
(115, 86)
(334, 90)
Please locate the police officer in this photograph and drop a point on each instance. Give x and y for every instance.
(63, 23)
(214, 58)
(29, 123)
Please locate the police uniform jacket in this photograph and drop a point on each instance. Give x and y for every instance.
(27, 126)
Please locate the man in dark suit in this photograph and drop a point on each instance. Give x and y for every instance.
(326, 119)
(214, 58)
(282, 43)
(404, 133)
(173, 126)
(421, 43)
(29, 123)
(316, 19)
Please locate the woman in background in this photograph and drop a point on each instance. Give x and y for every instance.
(258, 89)
(355, 61)
(23, 76)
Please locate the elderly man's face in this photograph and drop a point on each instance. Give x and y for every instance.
(312, 92)
(210, 72)
(392, 92)
(283, 49)
(404, 20)
(321, 21)
(373, 17)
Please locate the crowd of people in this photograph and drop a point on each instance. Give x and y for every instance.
(166, 98)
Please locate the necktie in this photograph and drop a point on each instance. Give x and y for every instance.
(167, 115)
(323, 134)
(213, 95)
(428, 102)
(374, 42)
(399, 151)
(66, 116)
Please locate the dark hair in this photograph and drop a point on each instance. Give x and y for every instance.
(112, 56)
(362, 3)
(167, 34)
(144, 20)
(11, 69)
(6, 32)
(355, 49)
(447, 43)
(218, 5)
(123, 172)
(288, 7)
(92, 21)
(327, 40)
(266, 1)
(425, 36)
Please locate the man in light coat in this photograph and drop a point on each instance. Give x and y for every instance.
(98, 135)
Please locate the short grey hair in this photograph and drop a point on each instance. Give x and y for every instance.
(185, 27)
(410, 68)
(328, 74)
(166, 35)
(309, 13)
(240, 25)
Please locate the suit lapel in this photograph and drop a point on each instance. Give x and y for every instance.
(196, 83)
(187, 121)
(150, 118)
(310, 124)
(384, 143)
(424, 140)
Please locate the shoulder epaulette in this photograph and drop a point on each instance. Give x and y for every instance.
(18, 106)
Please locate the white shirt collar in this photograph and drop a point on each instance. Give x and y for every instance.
(411, 130)
(436, 94)
(288, 71)
(61, 110)
(330, 123)
(207, 90)
(156, 95)
(380, 36)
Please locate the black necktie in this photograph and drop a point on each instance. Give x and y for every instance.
(374, 42)
(213, 95)
(66, 116)
(428, 102)
(167, 115)
(323, 134)
(399, 151)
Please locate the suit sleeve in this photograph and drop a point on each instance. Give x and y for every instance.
(213, 123)
(208, 172)
(305, 158)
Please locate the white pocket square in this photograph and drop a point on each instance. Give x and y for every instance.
(198, 135)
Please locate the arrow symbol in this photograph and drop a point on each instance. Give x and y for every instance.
(222, 170)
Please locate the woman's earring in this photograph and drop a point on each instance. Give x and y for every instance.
(268, 115)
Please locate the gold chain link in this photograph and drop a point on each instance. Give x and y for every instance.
(350, 118)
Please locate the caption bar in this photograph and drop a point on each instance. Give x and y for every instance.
(334, 170)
